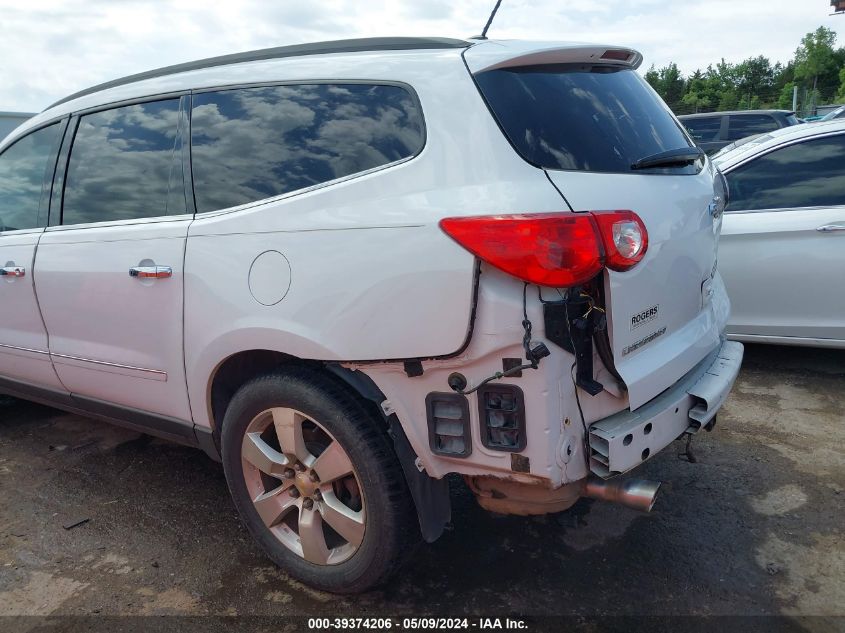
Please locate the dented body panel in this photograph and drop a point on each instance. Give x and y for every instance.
(364, 279)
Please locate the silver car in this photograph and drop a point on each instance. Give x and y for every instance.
(781, 253)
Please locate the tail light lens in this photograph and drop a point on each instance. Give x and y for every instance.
(624, 237)
(558, 250)
(548, 249)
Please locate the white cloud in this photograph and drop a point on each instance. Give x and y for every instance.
(50, 48)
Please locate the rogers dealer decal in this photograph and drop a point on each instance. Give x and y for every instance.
(646, 316)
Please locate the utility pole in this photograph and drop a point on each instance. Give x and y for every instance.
(795, 98)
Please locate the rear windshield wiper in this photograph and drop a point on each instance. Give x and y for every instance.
(670, 158)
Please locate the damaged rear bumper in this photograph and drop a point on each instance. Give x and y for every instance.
(623, 441)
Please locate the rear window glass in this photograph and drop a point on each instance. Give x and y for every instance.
(704, 129)
(581, 117)
(255, 143)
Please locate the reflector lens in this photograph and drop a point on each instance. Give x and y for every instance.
(558, 250)
(624, 236)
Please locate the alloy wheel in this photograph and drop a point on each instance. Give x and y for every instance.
(303, 486)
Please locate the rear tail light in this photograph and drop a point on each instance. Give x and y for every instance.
(624, 236)
(548, 249)
(558, 250)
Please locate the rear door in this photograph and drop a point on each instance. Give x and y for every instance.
(109, 276)
(784, 239)
(587, 124)
(25, 171)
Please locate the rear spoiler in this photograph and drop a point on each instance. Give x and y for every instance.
(493, 54)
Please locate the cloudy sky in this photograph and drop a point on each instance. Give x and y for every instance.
(50, 48)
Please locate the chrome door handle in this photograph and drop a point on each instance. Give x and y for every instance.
(151, 272)
(830, 228)
(13, 271)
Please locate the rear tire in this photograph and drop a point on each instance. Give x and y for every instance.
(301, 453)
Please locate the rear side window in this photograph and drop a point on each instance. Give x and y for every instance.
(580, 117)
(125, 163)
(255, 143)
(742, 125)
(704, 129)
(807, 174)
(22, 169)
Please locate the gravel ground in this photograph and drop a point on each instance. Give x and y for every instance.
(753, 528)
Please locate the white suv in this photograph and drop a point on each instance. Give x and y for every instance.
(349, 269)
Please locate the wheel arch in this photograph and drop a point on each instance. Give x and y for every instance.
(430, 496)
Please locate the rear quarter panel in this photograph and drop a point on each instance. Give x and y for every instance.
(371, 277)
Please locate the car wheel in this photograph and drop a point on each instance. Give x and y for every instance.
(315, 478)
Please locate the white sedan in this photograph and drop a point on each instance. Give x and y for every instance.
(782, 251)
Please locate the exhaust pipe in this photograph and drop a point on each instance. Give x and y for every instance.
(639, 494)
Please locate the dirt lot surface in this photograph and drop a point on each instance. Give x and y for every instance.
(754, 527)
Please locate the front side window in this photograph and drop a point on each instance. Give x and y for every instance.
(22, 169)
(742, 125)
(807, 174)
(125, 163)
(255, 143)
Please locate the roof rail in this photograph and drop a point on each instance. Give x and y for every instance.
(316, 48)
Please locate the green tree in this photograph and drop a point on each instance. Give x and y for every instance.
(752, 78)
(754, 75)
(698, 96)
(695, 102)
(653, 78)
(668, 82)
(784, 101)
(816, 58)
(818, 70)
(840, 96)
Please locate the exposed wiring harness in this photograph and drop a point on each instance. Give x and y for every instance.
(584, 440)
(591, 305)
(532, 354)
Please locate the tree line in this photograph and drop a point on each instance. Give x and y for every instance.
(817, 69)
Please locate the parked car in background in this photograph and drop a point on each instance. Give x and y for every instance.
(322, 263)
(782, 252)
(825, 113)
(714, 130)
(10, 120)
(839, 113)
